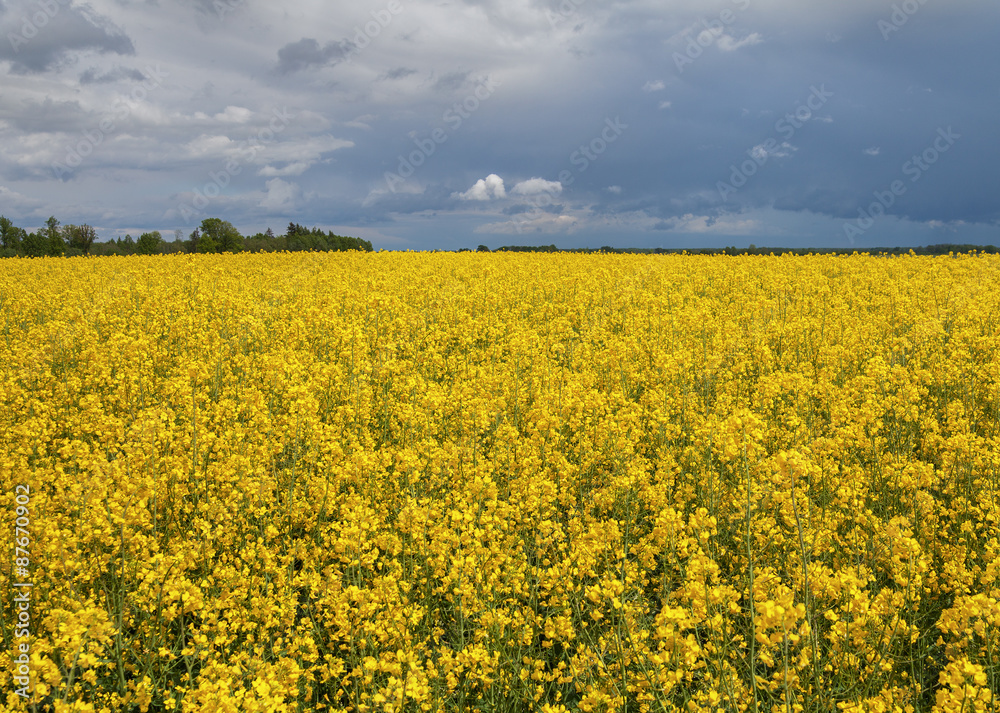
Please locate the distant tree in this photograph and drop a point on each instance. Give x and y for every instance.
(127, 245)
(11, 237)
(149, 243)
(179, 245)
(299, 237)
(223, 234)
(54, 243)
(35, 244)
(80, 237)
(356, 244)
(482, 249)
(206, 244)
(299, 241)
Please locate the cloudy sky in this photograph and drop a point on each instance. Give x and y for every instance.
(423, 124)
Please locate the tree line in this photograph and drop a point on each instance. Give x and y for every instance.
(943, 249)
(214, 235)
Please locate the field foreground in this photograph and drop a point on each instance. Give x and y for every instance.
(507, 482)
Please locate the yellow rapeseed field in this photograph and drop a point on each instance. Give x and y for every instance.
(394, 482)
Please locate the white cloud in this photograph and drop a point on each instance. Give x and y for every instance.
(534, 186)
(287, 150)
(690, 223)
(234, 115)
(614, 189)
(484, 189)
(13, 199)
(873, 151)
(782, 150)
(280, 196)
(293, 169)
(665, 105)
(301, 149)
(206, 146)
(540, 223)
(726, 43)
(654, 86)
(362, 122)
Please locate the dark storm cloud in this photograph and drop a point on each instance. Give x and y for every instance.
(700, 89)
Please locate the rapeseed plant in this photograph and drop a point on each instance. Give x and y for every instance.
(507, 482)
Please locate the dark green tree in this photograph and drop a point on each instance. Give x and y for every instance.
(54, 243)
(149, 243)
(35, 245)
(223, 234)
(299, 237)
(11, 237)
(205, 243)
(80, 237)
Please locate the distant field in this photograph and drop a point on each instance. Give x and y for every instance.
(500, 482)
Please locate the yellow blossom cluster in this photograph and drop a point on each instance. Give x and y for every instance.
(388, 482)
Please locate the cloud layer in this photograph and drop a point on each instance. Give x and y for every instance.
(406, 121)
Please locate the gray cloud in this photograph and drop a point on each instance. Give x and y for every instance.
(452, 81)
(399, 73)
(44, 116)
(307, 53)
(39, 39)
(94, 76)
